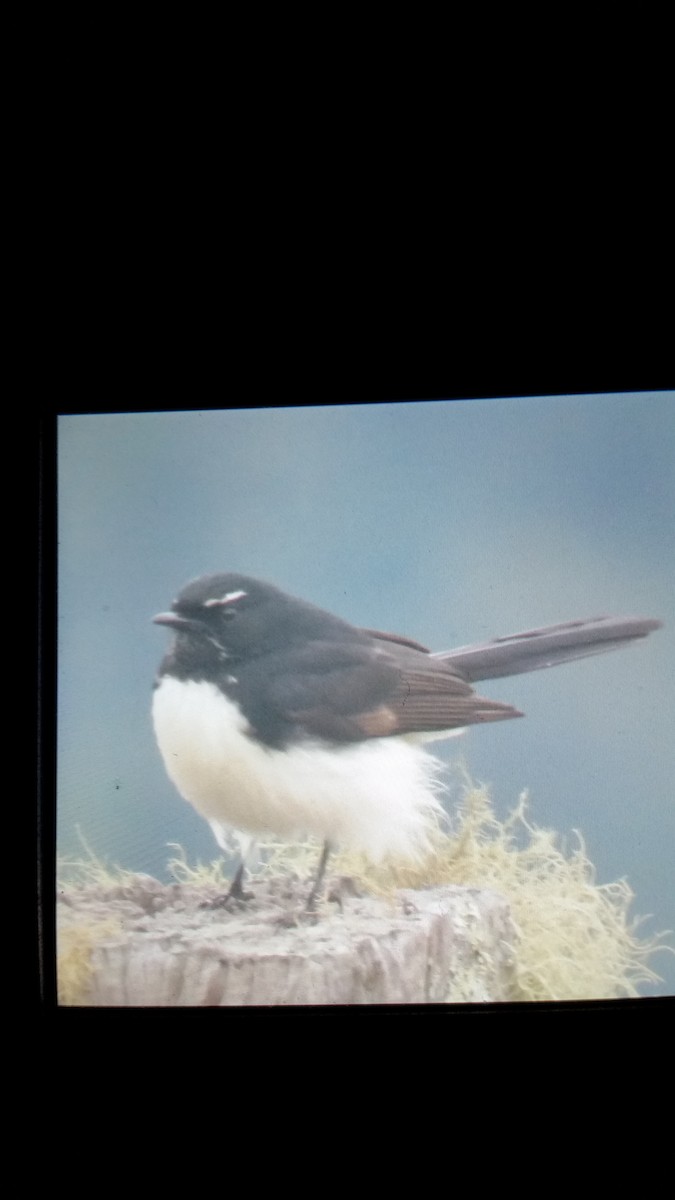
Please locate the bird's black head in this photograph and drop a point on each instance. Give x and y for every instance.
(233, 618)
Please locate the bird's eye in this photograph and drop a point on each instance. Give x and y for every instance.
(191, 612)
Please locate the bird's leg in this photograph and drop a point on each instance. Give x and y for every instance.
(236, 891)
(310, 906)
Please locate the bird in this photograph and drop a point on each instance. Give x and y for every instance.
(276, 717)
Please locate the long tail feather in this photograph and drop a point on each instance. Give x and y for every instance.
(547, 647)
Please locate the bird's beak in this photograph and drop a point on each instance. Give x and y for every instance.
(173, 620)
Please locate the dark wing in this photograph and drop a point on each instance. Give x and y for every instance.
(397, 638)
(433, 694)
(430, 700)
(348, 692)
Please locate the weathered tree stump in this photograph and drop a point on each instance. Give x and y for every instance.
(146, 944)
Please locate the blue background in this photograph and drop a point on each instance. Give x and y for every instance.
(451, 522)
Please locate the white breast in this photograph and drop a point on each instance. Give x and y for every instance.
(378, 796)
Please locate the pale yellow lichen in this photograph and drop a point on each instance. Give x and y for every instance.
(75, 945)
(89, 870)
(575, 937)
(212, 873)
(76, 941)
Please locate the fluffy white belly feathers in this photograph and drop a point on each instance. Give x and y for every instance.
(378, 796)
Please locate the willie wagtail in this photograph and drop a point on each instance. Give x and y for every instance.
(276, 717)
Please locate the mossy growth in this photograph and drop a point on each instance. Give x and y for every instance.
(88, 870)
(575, 937)
(75, 946)
(214, 873)
(76, 941)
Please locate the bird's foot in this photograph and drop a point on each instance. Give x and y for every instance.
(230, 901)
(236, 898)
(343, 887)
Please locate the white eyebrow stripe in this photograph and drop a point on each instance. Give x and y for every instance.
(228, 598)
